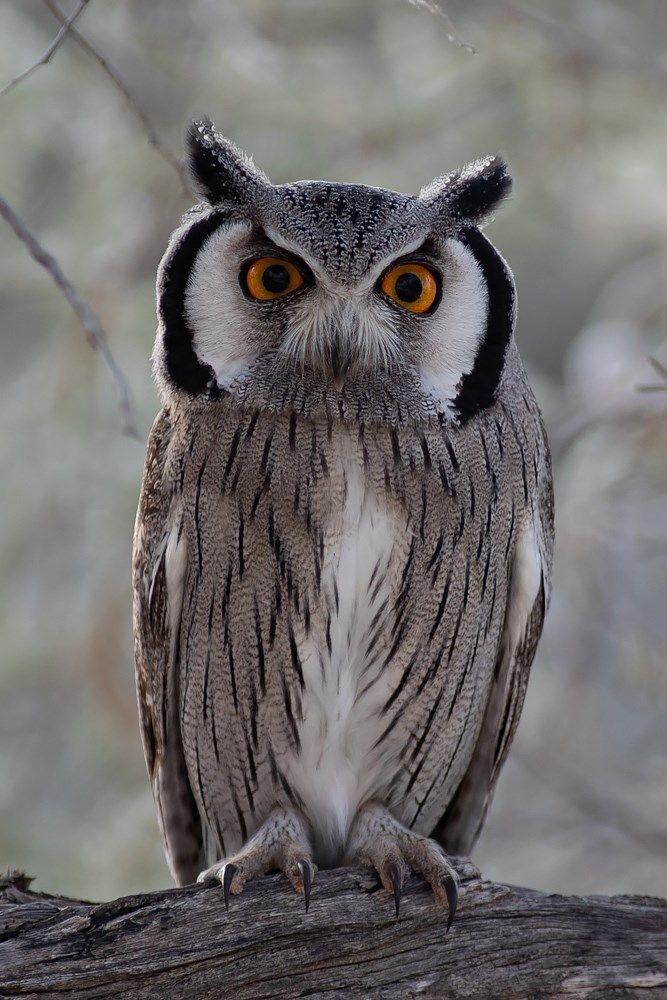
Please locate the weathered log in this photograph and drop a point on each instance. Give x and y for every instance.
(505, 942)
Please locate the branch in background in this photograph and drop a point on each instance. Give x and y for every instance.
(132, 101)
(95, 334)
(66, 26)
(662, 372)
(434, 8)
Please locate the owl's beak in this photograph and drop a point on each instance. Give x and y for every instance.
(338, 361)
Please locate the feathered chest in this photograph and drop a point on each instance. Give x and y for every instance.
(341, 581)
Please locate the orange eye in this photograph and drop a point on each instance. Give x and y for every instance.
(413, 286)
(270, 278)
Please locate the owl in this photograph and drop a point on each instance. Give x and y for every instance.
(343, 547)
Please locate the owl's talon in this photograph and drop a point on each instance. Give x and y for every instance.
(452, 892)
(306, 869)
(395, 877)
(229, 873)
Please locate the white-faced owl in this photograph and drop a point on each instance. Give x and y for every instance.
(344, 539)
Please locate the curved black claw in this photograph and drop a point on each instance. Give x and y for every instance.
(306, 870)
(230, 872)
(452, 893)
(395, 877)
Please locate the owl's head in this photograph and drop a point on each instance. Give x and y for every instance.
(327, 294)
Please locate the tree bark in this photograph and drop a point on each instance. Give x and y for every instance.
(505, 942)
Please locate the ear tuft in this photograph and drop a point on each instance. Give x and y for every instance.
(468, 196)
(221, 172)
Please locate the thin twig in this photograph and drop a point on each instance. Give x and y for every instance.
(66, 25)
(434, 8)
(662, 372)
(95, 334)
(140, 114)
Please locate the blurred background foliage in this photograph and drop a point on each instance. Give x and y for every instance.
(573, 93)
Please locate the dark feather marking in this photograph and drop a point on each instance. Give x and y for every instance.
(232, 451)
(452, 455)
(251, 425)
(422, 521)
(249, 795)
(296, 662)
(376, 569)
(290, 716)
(480, 543)
(258, 496)
(254, 716)
(197, 499)
(214, 735)
(291, 794)
(397, 642)
(472, 499)
(292, 431)
(487, 563)
(510, 534)
(240, 545)
(395, 446)
(328, 634)
(388, 728)
(272, 764)
(240, 816)
(432, 671)
(426, 453)
(499, 436)
(260, 650)
(524, 474)
(436, 551)
(232, 675)
(462, 522)
(324, 464)
(443, 478)
(205, 692)
(221, 839)
(265, 452)
(441, 608)
(401, 684)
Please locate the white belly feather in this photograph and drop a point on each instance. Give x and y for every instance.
(336, 770)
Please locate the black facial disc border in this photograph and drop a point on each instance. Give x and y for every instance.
(184, 368)
(478, 389)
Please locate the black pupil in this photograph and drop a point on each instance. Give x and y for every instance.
(276, 278)
(408, 287)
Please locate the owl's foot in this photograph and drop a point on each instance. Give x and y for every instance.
(281, 842)
(379, 841)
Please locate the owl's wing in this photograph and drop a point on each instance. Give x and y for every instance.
(461, 825)
(158, 565)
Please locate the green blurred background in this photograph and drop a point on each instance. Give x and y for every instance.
(573, 93)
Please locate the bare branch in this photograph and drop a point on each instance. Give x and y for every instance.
(53, 47)
(434, 8)
(133, 102)
(506, 942)
(662, 372)
(95, 334)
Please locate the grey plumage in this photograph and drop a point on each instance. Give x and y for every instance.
(341, 567)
